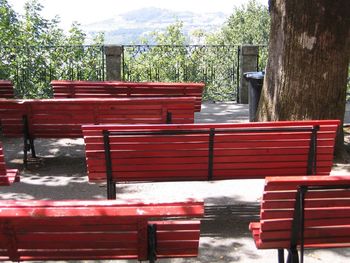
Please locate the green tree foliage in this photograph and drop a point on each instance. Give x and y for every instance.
(9, 28)
(34, 50)
(214, 60)
(248, 24)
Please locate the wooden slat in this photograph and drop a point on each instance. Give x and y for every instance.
(62, 118)
(96, 229)
(6, 89)
(327, 212)
(119, 89)
(7, 176)
(155, 157)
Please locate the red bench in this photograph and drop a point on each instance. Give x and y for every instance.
(123, 89)
(126, 153)
(7, 176)
(6, 89)
(304, 212)
(98, 230)
(62, 118)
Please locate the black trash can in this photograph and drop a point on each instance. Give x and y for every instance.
(255, 80)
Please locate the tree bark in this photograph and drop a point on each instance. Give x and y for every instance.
(307, 69)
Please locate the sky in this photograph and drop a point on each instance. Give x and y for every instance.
(88, 11)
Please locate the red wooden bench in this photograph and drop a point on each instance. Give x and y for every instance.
(126, 153)
(62, 118)
(7, 176)
(123, 89)
(6, 89)
(98, 230)
(304, 212)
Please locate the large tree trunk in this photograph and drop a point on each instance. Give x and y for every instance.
(307, 69)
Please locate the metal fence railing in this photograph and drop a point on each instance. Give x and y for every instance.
(216, 65)
(31, 68)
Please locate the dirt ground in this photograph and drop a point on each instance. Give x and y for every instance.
(230, 205)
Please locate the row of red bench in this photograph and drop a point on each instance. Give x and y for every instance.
(299, 154)
(295, 208)
(69, 230)
(230, 151)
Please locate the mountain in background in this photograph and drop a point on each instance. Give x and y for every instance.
(128, 28)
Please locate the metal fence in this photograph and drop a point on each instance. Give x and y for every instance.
(31, 68)
(216, 65)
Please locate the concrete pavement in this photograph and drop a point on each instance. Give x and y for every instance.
(229, 205)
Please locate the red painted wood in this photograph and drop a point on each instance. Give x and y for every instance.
(119, 89)
(327, 212)
(62, 118)
(96, 229)
(7, 176)
(6, 89)
(324, 213)
(185, 157)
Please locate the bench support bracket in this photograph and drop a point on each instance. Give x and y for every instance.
(111, 187)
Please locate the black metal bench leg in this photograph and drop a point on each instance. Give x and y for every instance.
(28, 145)
(281, 255)
(111, 190)
(152, 243)
(293, 256)
(28, 141)
(25, 151)
(32, 149)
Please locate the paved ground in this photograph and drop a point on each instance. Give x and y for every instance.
(229, 205)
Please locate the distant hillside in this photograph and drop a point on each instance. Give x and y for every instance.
(128, 27)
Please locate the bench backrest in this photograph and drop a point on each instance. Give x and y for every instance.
(326, 212)
(99, 229)
(7, 176)
(123, 89)
(6, 89)
(209, 151)
(62, 118)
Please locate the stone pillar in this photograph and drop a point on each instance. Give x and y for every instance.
(113, 62)
(248, 62)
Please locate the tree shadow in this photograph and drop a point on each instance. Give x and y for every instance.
(227, 220)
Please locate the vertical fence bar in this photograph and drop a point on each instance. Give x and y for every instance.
(237, 73)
